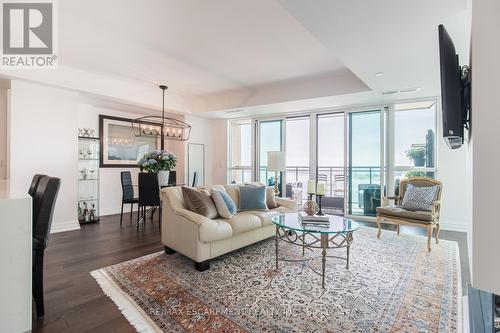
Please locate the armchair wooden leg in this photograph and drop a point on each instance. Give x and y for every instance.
(398, 228)
(437, 233)
(429, 236)
(378, 226)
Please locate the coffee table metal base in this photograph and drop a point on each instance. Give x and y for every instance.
(314, 240)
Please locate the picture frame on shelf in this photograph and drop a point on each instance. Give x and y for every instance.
(120, 147)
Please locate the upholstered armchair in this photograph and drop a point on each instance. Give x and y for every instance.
(395, 214)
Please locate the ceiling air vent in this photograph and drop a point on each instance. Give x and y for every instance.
(235, 111)
(400, 91)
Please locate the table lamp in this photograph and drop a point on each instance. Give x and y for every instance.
(276, 162)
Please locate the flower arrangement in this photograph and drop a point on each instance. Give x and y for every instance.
(157, 161)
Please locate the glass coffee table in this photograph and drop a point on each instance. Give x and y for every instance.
(338, 234)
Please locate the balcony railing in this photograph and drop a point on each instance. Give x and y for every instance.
(334, 177)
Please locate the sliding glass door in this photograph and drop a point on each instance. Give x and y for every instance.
(359, 154)
(297, 157)
(330, 165)
(365, 162)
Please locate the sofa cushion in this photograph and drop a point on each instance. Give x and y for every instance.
(225, 205)
(242, 222)
(215, 231)
(265, 216)
(233, 191)
(398, 212)
(200, 202)
(253, 198)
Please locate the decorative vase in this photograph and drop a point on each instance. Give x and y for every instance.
(310, 207)
(419, 161)
(163, 177)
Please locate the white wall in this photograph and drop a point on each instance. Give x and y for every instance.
(486, 142)
(44, 124)
(110, 190)
(452, 171)
(110, 182)
(3, 133)
(110, 186)
(220, 142)
(43, 139)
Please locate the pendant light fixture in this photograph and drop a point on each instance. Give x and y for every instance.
(165, 127)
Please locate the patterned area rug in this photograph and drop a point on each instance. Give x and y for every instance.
(393, 285)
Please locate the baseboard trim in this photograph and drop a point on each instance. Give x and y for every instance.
(116, 210)
(453, 226)
(64, 226)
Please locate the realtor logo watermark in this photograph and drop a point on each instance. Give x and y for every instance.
(29, 34)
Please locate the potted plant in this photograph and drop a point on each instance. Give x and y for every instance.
(417, 155)
(159, 162)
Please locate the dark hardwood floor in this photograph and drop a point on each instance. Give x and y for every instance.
(73, 300)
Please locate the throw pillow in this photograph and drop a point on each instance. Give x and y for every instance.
(271, 198)
(253, 198)
(225, 205)
(419, 198)
(199, 202)
(270, 195)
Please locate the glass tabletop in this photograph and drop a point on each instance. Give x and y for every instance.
(338, 224)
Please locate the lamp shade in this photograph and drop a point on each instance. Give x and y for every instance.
(276, 161)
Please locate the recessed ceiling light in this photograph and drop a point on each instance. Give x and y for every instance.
(379, 74)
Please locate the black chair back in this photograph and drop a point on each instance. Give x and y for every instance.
(45, 200)
(149, 189)
(194, 179)
(172, 178)
(127, 187)
(34, 184)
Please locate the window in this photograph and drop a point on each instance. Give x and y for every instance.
(241, 152)
(360, 154)
(414, 140)
(270, 140)
(297, 156)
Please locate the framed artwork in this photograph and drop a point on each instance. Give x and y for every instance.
(120, 147)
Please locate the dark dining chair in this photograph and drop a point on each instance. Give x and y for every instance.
(172, 178)
(45, 199)
(34, 184)
(149, 194)
(127, 193)
(31, 191)
(194, 179)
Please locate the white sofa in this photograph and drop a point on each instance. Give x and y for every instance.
(202, 239)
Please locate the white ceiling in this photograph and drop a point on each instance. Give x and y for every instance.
(230, 54)
(197, 47)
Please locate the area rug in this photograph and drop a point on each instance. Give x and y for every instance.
(392, 285)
